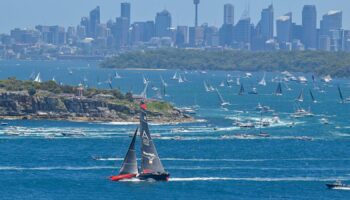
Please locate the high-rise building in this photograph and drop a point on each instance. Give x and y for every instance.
(226, 35)
(121, 32)
(330, 31)
(163, 24)
(125, 10)
(149, 30)
(309, 23)
(181, 36)
(196, 36)
(196, 2)
(331, 21)
(284, 28)
(242, 33)
(266, 23)
(94, 21)
(229, 14)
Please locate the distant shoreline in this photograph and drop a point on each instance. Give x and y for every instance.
(336, 64)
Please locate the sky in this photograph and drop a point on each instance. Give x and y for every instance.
(28, 13)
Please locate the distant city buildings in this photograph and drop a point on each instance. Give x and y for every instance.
(96, 39)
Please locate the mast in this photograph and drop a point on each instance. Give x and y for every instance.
(223, 102)
(129, 165)
(241, 90)
(312, 96)
(279, 89)
(340, 94)
(150, 162)
(301, 96)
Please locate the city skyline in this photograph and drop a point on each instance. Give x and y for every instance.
(50, 13)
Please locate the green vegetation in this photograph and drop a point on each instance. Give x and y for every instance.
(319, 62)
(12, 84)
(156, 106)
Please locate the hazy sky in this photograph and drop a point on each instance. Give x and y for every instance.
(28, 13)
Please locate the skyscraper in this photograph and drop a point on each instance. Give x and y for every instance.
(94, 21)
(284, 28)
(121, 32)
(125, 10)
(266, 23)
(163, 24)
(330, 30)
(196, 2)
(331, 21)
(242, 33)
(309, 22)
(229, 14)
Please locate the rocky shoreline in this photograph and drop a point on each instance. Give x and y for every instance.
(45, 105)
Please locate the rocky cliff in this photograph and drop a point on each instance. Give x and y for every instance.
(46, 105)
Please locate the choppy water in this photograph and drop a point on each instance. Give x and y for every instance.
(206, 159)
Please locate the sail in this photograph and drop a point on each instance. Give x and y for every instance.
(220, 97)
(180, 80)
(340, 94)
(238, 82)
(175, 76)
(241, 90)
(150, 162)
(163, 82)
(279, 89)
(37, 78)
(129, 165)
(144, 92)
(312, 96)
(263, 81)
(301, 96)
(117, 76)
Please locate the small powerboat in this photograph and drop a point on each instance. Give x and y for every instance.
(338, 185)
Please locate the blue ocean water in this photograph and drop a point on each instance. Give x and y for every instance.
(205, 159)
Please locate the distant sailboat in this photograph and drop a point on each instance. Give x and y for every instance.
(175, 77)
(109, 81)
(300, 98)
(222, 101)
(145, 81)
(228, 82)
(32, 76)
(327, 79)
(144, 92)
(180, 80)
(263, 81)
(241, 90)
(312, 96)
(37, 78)
(53, 79)
(222, 84)
(117, 76)
(342, 99)
(163, 82)
(279, 89)
(206, 86)
(238, 81)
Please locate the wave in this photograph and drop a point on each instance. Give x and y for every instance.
(234, 160)
(261, 179)
(67, 168)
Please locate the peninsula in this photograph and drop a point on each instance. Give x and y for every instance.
(49, 100)
(318, 62)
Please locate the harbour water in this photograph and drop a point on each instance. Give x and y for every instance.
(210, 159)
